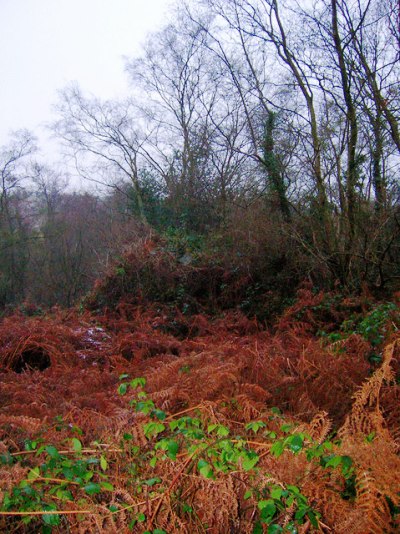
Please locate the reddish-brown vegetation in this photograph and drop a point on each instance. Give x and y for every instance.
(60, 372)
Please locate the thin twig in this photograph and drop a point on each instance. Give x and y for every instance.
(172, 416)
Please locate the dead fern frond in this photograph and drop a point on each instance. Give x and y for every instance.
(365, 416)
(319, 427)
(372, 514)
(30, 424)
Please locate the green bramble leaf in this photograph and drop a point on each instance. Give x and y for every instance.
(76, 445)
(92, 488)
(173, 448)
(151, 481)
(277, 448)
(313, 517)
(138, 382)
(205, 469)
(334, 461)
(255, 426)
(122, 388)
(52, 452)
(249, 460)
(103, 463)
(276, 493)
(295, 443)
(64, 494)
(152, 429)
(123, 376)
(34, 473)
(267, 510)
(221, 430)
(159, 414)
(51, 519)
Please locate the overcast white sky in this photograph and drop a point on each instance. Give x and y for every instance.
(44, 44)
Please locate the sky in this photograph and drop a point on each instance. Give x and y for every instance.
(45, 44)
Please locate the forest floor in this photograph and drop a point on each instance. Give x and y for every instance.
(143, 419)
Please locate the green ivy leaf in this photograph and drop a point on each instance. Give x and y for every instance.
(6, 458)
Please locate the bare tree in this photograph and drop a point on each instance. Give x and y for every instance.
(186, 105)
(104, 139)
(14, 217)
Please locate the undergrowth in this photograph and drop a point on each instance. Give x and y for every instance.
(210, 425)
(179, 271)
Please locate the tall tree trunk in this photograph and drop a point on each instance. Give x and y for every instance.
(377, 154)
(351, 115)
(273, 167)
